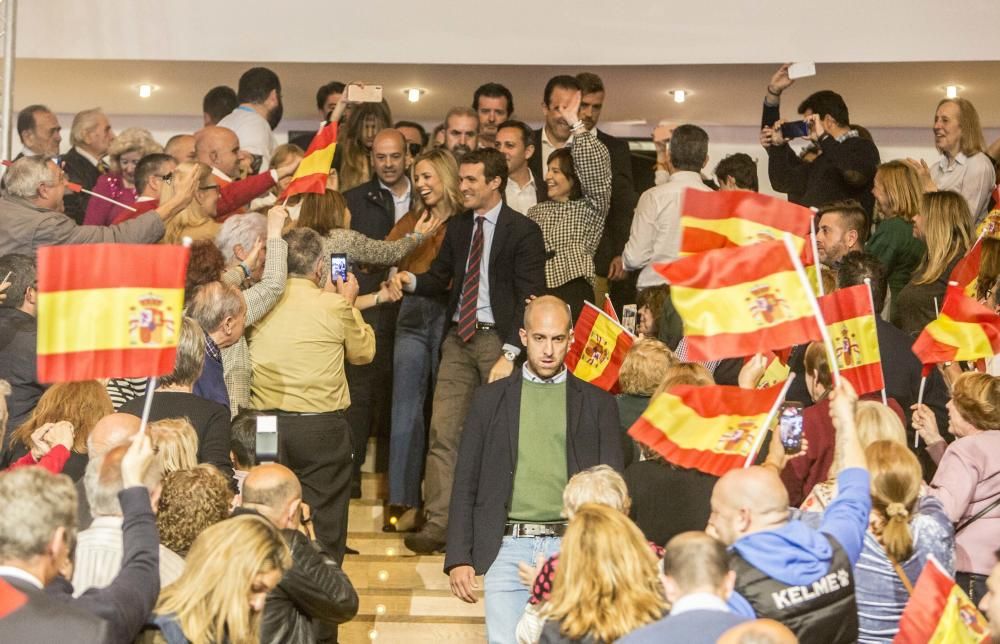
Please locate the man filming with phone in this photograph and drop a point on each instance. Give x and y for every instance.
(845, 167)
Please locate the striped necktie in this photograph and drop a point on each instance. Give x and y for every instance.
(468, 304)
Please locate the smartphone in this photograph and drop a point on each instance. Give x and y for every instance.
(267, 439)
(801, 70)
(630, 316)
(367, 94)
(338, 266)
(790, 426)
(795, 129)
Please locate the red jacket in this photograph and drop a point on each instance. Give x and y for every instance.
(233, 195)
(54, 461)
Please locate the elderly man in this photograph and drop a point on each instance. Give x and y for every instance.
(91, 136)
(31, 212)
(110, 431)
(314, 592)
(262, 284)
(99, 552)
(181, 148)
(219, 147)
(786, 570)
(221, 312)
(461, 131)
(38, 129)
(298, 351)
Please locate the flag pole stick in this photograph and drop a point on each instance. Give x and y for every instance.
(824, 332)
(150, 387)
(815, 247)
(871, 300)
(920, 401)
(108, 199)
(767, 421)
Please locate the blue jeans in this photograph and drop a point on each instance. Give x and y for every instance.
(506, 596)
(419, 329)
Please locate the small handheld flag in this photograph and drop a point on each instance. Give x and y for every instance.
(314, 170)
(850, 321)
(939, 611)
(964, 330)
(598, 349)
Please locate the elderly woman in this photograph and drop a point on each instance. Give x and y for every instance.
(572, 220)
(967, 481)
(191, 501)
(174, 399)
(641, 373)
(119, 183)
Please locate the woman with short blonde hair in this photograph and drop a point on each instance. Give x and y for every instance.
(220, 596)
(641, 372)
(607, 583)
(176, 444)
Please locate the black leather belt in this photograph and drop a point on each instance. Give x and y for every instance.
(534, 530)
(481, 326)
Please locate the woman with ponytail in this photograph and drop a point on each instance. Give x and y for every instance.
(905, 528)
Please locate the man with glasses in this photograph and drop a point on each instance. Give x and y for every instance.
(152, 171)
(31, 212)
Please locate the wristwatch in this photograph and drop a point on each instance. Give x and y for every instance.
(510, 355)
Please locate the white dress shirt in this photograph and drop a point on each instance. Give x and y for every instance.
(548, 148)
(521, 198)
(400, 203)
(972, 177)
(655, 237)
(99, 552)
(254, 133)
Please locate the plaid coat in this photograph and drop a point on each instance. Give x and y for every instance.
(572, 229)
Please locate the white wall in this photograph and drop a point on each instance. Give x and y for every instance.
(577, 32)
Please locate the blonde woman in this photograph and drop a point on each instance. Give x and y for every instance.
(898, 199)
(420, 327)
(607, 583)
(176, 444)
(220, 597)
(945, 225)
(197, 219)
(119, 183)
(191, 501)
(905, 528)
(641, 373)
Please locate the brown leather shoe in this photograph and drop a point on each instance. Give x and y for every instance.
(425, 542)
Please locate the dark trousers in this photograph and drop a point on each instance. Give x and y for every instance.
(317, 447)
(575, 292)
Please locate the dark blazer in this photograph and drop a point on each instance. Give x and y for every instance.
(623, 197)
(699, 626)
(78, 170)
(47, 619)
(373, 214)
(487, 458)
(516, 267)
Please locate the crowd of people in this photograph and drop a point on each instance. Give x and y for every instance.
(471, 251)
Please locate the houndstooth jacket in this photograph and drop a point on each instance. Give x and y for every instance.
(572, 229)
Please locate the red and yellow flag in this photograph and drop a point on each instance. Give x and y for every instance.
(314, 169)
(965, 330)
(729, 218)
(939, 612)
(776, 371)
(966, 271)
(851, 322)
(109, 310)
(736, 302)
(609, 308)
(598, 349)
(711, 429)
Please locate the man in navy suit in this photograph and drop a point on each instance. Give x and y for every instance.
(698, 582)
(492, 259)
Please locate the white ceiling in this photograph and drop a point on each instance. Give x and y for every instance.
(878, 94)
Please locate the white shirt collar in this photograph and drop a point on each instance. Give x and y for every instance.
(546, 141)
(557, 379)
(699, 601)
(222, 175)
(960, 159)
(86, 155)
(531, 181)
(23, 575)
(141, 198)
(492, 215)
(406, 195)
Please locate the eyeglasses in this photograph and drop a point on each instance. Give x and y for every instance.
(211, 187)
(166, 177)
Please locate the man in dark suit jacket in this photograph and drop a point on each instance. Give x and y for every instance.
(513, 465)
(623, 195)
(492, 259)
(375, 208)
(91, 137)
(34, 546)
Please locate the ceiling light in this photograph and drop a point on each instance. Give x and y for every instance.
(145, 90)
(680, 95)
(413, 94)
(951, 91)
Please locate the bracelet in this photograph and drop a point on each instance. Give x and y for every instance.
(576, 127)
(772, 92)
(376, 297)
(246, 269)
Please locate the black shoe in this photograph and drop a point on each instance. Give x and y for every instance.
(356, 492)
(424, 542)
(350, 551)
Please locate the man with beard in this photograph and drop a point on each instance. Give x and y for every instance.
(461, 131)
(494, 104)
(258, 113)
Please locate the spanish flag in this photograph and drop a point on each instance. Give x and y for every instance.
(598, 349)
(938, 612)
(851, 322)
(966, 271)
(711, 429)
(314, 169)
(736, 302)
(109, 310)
(965, 330)
(776, 371)
(729, 218)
